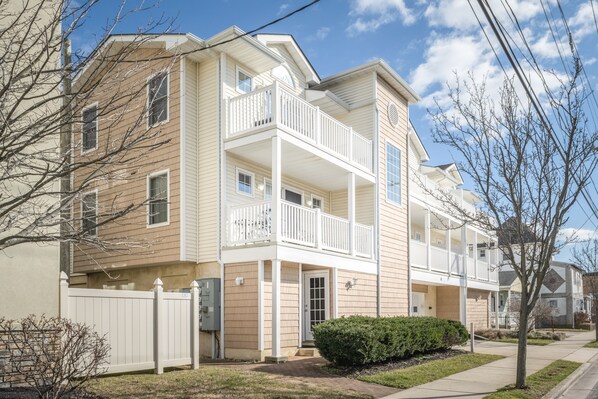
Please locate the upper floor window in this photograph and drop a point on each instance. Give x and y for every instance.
(316, 202)
(267, 190)
(89, 213)
(89, 132)
(393, 174)
(244, 81)
(245, 182)
(482, 253)
(282, 73)
(158, 99)
(158, 198)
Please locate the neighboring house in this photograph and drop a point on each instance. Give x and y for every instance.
(562, 291)
(590, 280)
(30, 271)
(453, 265)
(289, 189)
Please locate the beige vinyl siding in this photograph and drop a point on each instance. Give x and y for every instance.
(289, 301)
(447, 302)
(131, 187)
(297, 75)
(477, 307)
(233, 198)
(364, 204)
(241, 306)
(207, 164)
(191, 171)
(394, 241)
(360, 119)
(356, 89)
(359, 300)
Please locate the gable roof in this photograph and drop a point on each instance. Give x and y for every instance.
(506, 278)
(382, 69)
(417, 144)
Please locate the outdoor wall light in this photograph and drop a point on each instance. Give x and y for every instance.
(239, 281)
(260, 186)
(310, 203)
(351, 283)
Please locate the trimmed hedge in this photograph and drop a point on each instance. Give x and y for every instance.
(359, 340)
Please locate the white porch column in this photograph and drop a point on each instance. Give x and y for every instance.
(464, 249)
(448, 246)
(428, 239)
(260, 301)
(463, 305)
(276, 355)
(351, 212)
(276, 189)
(475, 254)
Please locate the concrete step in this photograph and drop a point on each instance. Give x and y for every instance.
(308, 352)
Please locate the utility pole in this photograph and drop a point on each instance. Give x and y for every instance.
(65, 151)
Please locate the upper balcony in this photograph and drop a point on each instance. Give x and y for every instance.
(276, 107)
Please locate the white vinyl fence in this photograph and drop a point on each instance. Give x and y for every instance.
(145, 330)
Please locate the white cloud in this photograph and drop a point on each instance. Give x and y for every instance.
(582, 23)
(570, 234)
(283, 7)
(372, 14)
(322, 32)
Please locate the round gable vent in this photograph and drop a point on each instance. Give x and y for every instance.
(393, 114)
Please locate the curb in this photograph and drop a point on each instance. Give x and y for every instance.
(558, 390)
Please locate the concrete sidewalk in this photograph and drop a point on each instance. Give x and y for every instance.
(481, 381)
(586, 385)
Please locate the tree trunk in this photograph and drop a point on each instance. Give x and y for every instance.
(522, 344)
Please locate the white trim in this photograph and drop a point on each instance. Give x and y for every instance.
(307, 319)
(83, 195)
(183, 158)
(389, 201)
(242, 70)
(260, 301)
(300, 335)
(335, 293)
(291, 86)
(97, 106)
(321, 199)
(266, 181)
(150, 176)
(248, 173)
(148, 80)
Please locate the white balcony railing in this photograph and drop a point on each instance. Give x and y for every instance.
(274, 105)
(456, 263)
(439, 259)
(419, 254)
(309, 227)
(483, 272)
(470, 267)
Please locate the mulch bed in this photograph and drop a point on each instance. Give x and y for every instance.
(394, 364)
(29, 393)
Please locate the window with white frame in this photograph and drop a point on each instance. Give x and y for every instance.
(245, 182)
(244, 81)
(89, 213)
(317, 202)
(158, 198)
(292, 195)
(282, 73)
(482, 253)
(553, 303)
(89, 131)
(267, 190)
(158, 99)
(393, 174)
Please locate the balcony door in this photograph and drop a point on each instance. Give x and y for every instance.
(315, 301)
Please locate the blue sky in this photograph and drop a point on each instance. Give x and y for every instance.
(426, 42)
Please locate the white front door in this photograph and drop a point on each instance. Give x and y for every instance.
(315, 301)
(418, 301)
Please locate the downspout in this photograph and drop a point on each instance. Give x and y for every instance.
(408, 203)
(221, 190)
(377, 200)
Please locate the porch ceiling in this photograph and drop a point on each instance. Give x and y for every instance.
(299, 164)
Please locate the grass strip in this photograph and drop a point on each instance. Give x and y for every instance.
(530, 341)
(539, 383)
(211, 382)
(430, 371)
(593, 344)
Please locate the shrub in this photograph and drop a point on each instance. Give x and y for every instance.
(55, 357)
(359, 340)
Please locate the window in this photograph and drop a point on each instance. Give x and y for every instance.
(553, 303)
(393, 174)
(482, 253)
(290, 195)
(89, 214)
(316, 202)
(90, 128)
(282, 73)
(267, 190)
(158, 198)
(245, 182)
(244, 81)
(158, 99)
(418, 236)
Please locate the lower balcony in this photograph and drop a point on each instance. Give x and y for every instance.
(252, 224)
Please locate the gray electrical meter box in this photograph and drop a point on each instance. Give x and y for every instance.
(209, 312)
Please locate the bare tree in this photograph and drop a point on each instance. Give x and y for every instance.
(541, 312)
(55, 357)
(527, 174)
(586, 257)
(41, 110)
